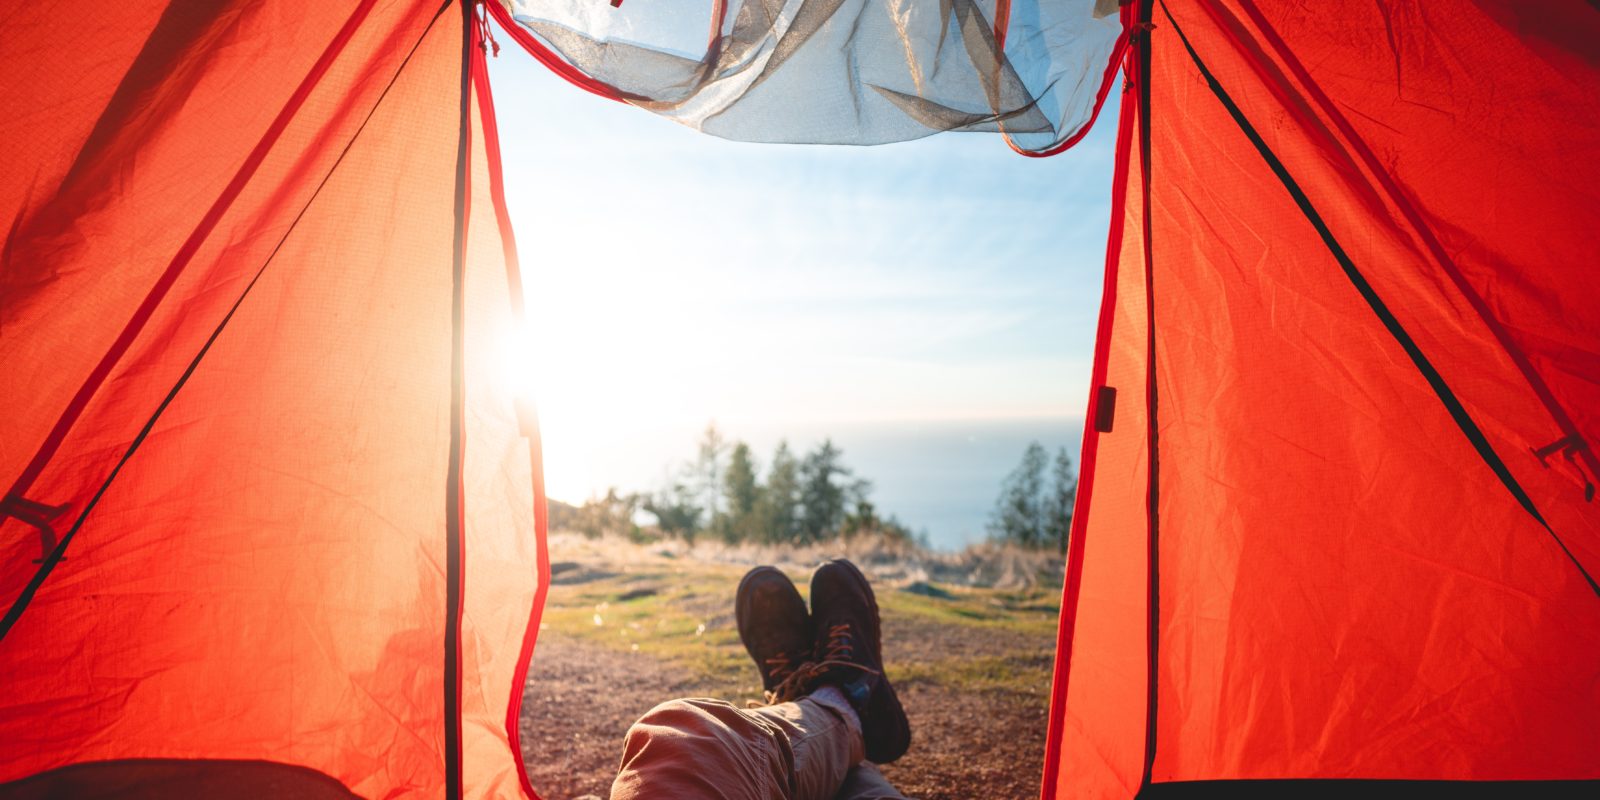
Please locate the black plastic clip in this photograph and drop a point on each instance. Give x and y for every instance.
(1569, 447)
(37, 515)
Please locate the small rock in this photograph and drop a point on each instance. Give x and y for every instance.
(926, 590)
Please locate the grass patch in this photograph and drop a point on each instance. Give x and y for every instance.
(681, 613)
(680, 616)
(1018, 674)
(1027, 612)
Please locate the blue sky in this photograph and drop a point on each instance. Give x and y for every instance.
(674, 278)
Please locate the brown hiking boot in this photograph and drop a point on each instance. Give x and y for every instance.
(775, 628)
(849, 655)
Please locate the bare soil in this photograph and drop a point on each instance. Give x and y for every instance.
(976, 691)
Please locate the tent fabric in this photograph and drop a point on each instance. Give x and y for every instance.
(230, 287)
(272, 507)
(839, 71)
(1336, 581)
(1099, 699)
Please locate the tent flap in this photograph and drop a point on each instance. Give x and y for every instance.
(839, 71)
(1373, 357)
(233, 268)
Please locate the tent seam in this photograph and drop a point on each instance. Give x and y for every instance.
(1419, 360)
(1153, 472)
(59, 553)
(491, 145)
(1430, 241)
(1087, 460)
(180, 261)
(455, 493)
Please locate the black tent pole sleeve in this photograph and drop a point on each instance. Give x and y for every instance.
(1442, 390)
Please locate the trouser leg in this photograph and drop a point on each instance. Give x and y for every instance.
(710, 749)
(865, 782)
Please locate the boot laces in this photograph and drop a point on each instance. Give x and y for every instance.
(799, 682)
(780, 666)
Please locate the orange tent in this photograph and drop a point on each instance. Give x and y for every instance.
(268, 499)
(1336, 518)
(272, 517)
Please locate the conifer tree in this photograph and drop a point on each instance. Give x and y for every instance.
(778, 505)
(708, 473)
(742, 494)
(822, 499)
(1019, 512)
(1058, 501)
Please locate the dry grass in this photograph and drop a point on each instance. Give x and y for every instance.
(968, 640)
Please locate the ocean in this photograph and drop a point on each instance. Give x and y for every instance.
(943, 478)
(938, 478)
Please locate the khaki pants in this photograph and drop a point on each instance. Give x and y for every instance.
(693, 749)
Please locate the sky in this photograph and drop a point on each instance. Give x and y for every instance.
(674, 279)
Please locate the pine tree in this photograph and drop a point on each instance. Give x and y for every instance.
(778, 505)
(1019, 513)
(822, 500)
(1058, 502)
(675, 510)
(742, 493)
(708, 473)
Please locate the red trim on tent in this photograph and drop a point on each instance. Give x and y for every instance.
(180, 261)
(719, 15)
(553, 62)
(1086, 460)
(1002, 23)
(40, 516)
(491, 141)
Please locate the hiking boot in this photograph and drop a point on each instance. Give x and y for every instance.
(849, 655)
(775, 629)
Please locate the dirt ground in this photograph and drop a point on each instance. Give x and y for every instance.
(972, 670)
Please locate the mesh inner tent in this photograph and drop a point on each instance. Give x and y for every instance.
(839, 71)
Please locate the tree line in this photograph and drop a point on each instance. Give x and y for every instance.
(1034, 508)
(723, 492)
(803, 498)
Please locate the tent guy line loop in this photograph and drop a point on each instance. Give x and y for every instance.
(1571, 448)
(58, 553)
(1363, 155)
(1447, 397)
(41, 516)
(485, 31)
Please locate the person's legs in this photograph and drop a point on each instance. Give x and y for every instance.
(865, 782)
(710, 749)
(830, 704)
(825, 737)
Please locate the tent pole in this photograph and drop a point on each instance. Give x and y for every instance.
(1144, 30)
(1447, 396)
(455, 515)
